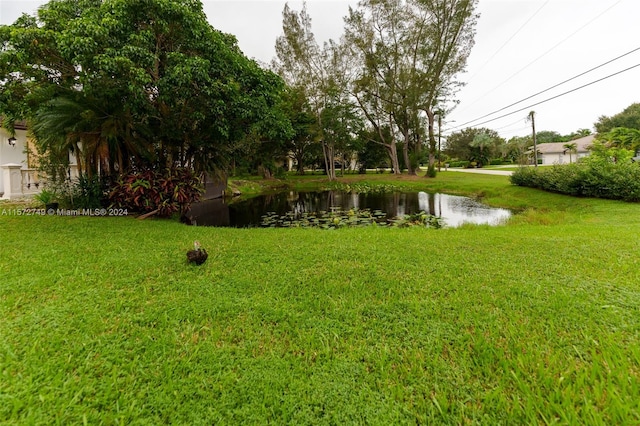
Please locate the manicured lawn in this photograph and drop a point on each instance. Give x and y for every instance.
(538, 321)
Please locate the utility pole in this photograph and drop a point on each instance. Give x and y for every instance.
(535, 144)
(439, 135)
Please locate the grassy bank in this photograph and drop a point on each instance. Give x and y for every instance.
(534, 322)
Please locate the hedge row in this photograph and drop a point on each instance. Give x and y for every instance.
(601, 180)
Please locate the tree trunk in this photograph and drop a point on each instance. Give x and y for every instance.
(393, 154)
(431, 170)
(300, 165)
(405, 151)
(329, 160)
(265, 172)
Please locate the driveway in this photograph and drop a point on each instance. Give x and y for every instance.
(482, 171)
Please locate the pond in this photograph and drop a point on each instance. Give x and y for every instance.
(453, 210)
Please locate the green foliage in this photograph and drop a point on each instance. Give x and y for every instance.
(89, 192)
(302, 144)
(595, 177)
(603, 154)
(498, 162)
(407, 55)
(621, 137)
(580, 133)
(184, 94)
(628, 118)
(516, 149)
(45, 196)
(372, 153)
(353, 218)
(474, 144)
(463, 164)
(167, 193)
(548, 136)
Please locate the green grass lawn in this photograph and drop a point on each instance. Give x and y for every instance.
(534, 322)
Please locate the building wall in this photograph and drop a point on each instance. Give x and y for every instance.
(12, 154)
(560, 158)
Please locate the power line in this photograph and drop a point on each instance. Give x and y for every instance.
(508, 125)
(553, 87)
(551, 98)
(548, 51)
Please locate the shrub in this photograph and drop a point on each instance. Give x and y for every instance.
(148, 191)
(499, 162)
(90, 192)
(598, 179)
(525, 176)
(462, 164)
(83, 192)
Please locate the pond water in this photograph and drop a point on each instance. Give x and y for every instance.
(454, 210)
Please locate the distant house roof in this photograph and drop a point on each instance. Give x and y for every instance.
(582, 146)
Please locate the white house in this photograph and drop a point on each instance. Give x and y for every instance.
(18, 176)
(557, 153)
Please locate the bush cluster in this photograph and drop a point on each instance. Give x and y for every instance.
(462, 164)
(596, 179)
(165, 192)
(83, 192)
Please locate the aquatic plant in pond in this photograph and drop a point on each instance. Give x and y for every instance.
(396, 206)
(363, 187)
(353, 218)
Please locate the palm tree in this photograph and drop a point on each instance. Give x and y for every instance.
(483, 141)
(622, 137)
(101, 138)
(571, 147)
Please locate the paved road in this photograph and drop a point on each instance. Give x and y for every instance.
(482, 171)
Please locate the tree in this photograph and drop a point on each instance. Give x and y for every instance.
(303, 122)
(628, 118)
(516, 149)
(572, 148)
(481, 144)
(307, 67)
(340, 126)
(408, 52)
(473, 144)
(151, 83)
(580, 133)
(548, 136)
(621, 137)
(372, 153)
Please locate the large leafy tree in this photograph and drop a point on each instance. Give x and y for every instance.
(372, 152)
(311, 69)
(474, 144)
(136, 84)
(409, 53)
(301, 146)
(546, 136)
(628, 118)
(516, 149)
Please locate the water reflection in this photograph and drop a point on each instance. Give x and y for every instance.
(454, 210)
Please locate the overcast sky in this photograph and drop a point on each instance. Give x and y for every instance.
(522, 47)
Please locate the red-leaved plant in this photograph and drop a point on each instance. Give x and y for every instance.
(163, 192)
